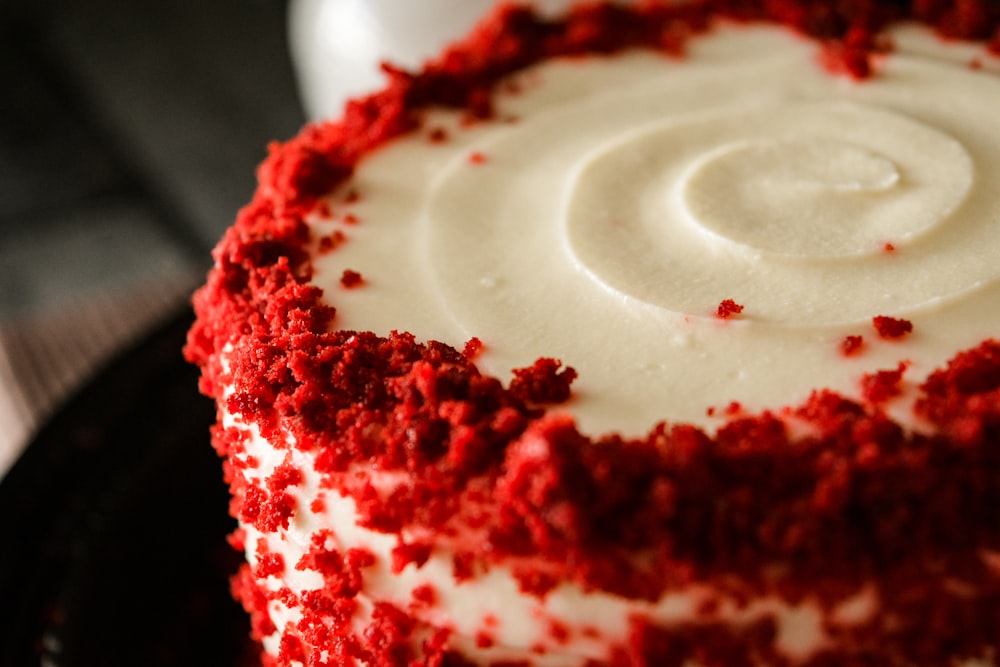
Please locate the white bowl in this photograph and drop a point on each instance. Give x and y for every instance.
(337, 45)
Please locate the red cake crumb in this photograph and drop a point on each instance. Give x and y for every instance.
(473, 348)
(265, 511)
(543, 382)
(284, 475)
(350, 279)
(851, 56)
(351, 219)
(404, 554)
(888, 247)
(331, 242)
(438, 135)
(727, 309)
(254, 601)
(752, 510)
(341, 571)
(426, 595)
(881, 386)
(558, 632)
(268, 563)
(237, 539)
(852, 345)
(463, 566)
(891, 327)
(966, 393)
(477, 158)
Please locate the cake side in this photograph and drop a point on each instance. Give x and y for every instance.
(702, 544)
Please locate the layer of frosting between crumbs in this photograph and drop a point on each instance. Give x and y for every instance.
(829, 531)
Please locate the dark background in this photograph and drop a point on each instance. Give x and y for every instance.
(129, 133)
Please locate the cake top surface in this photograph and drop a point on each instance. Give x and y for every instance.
(779, 483)
(631, 197)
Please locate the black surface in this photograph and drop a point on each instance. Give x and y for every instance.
(113, 548)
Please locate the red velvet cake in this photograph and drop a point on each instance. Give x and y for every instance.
(656, 335)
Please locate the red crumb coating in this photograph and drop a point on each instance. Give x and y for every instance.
(267, 511)
(728, 309)
(891, 327)
(237, 539)
(284, 475)
(405, 554)
(852, 55)
(268, 564)
(881, 386)
(473, 348)
(543, 382)
(752, 510)
(851, 345)
(331, 242)
(425, 595)
(350, 279)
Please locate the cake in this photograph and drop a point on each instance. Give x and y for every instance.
(654, 335)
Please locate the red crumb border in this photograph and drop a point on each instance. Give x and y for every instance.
(851, 498)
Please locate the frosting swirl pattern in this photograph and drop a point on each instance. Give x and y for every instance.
(629, 200)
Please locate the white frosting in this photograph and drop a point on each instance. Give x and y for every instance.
(605, 225)
(632, 195)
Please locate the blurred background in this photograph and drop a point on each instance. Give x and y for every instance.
(129, 134)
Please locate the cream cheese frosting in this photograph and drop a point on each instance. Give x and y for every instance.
(626, 197)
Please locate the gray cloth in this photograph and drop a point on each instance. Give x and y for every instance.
(129, 135)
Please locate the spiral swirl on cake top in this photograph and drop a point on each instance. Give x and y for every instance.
(628, 197)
